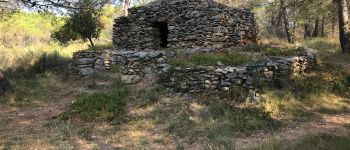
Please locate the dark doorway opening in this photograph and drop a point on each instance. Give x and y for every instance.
(164, 32)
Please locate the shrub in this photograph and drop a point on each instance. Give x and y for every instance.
(99, 106)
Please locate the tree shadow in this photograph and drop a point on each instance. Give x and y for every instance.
(26, 77)
(32, 66)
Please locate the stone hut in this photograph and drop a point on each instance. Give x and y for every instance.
(184, 24)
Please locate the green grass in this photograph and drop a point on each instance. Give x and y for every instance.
(99, 106)
(273, 51)
(322, 141)
(210, 59)
(324, 44)
(213, 118)
(30, 91)
(320, 90)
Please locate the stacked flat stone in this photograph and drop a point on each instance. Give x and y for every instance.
(134, 65)
(216, 78)
(83, 62)
(190, 23)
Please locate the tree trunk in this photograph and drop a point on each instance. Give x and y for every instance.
(91, 42)
(333, 25)
(315, 33)
(286, 22)
(307, 31)
(344, 31)
(322, 28)
(126, 7)
(306, 26)
(279, 24)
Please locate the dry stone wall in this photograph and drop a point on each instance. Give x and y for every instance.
(211, 78)
(135, 65)
(184, 24)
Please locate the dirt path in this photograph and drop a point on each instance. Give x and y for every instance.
(30, 120)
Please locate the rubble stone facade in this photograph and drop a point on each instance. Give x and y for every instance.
(184, 24)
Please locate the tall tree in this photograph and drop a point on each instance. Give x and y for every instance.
(307, 32)
(286, 21)
(334, 19)
(317, 26)
(84, 23)
(344, 29)
(323, 26)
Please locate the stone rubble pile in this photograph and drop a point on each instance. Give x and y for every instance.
(184, 24)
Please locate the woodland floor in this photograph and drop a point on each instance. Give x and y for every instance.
(36, 126)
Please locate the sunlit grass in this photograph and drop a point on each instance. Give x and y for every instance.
(321, 141)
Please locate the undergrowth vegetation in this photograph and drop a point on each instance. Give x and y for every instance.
(29, 56)
(321, 90)
(339, 141)
(272, 50)
(28, 38)
(226, 58)
(99, 106)
(37, 69)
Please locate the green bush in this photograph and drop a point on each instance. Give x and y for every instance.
(99, 106)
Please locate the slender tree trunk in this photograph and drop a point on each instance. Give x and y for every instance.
(91, 42)
(322, 27)
(294, 28)
(317, 26)
(333, 25)
(278, 26)
(126, 7)
(306, 30)
(344, 29)
(286, 22)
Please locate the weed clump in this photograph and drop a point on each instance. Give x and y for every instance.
(99, 106)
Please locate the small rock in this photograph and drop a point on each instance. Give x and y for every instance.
(130, 79)
(219, 63)
(86, 71)
(207, 82)
(225, 89)
(142, 55)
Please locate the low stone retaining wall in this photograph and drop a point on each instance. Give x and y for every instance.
(214, 78)
(134, 65)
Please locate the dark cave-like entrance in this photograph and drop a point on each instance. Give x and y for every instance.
(164, 32)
